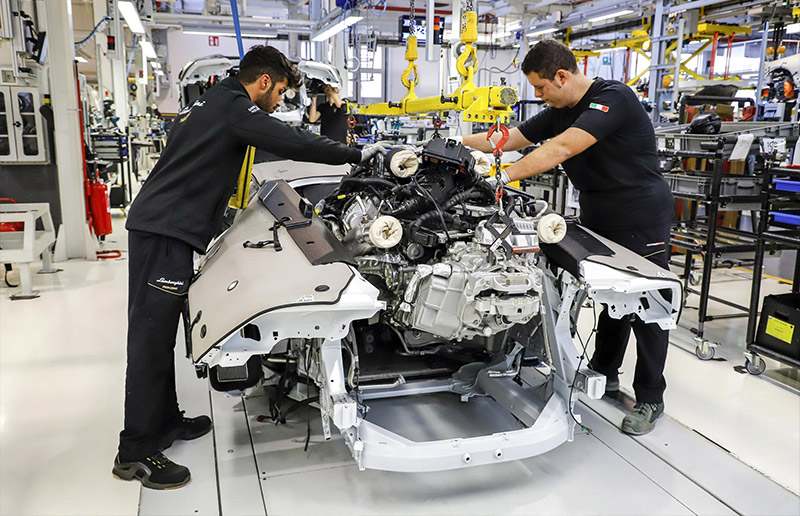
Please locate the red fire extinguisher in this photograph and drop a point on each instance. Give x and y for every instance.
(100, 207)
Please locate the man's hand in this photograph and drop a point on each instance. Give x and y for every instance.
(503, 179)
(370, 151)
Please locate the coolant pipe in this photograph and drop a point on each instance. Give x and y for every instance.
(375, 387)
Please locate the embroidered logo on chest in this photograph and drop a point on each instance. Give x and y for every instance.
(598, 107)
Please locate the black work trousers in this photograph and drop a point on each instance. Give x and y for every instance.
(651, 341)
(159, 271)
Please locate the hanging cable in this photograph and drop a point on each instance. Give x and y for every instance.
(97, 28)
(130, 58)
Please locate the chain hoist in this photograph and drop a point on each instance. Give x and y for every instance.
(497, 150)
(412, 18)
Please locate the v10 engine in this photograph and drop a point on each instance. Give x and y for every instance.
(454, 259)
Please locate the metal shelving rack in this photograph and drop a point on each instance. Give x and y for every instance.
(742, 192)
(772, 232)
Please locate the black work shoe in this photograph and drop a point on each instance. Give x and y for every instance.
(612, 385)
(155, 472)
(642, 419)
(186, 429)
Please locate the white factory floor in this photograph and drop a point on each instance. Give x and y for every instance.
(730, 442)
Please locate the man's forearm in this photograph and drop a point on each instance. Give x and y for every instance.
(546, 157)
(477, 142)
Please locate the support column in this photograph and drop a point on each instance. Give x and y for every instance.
(69, 157)
(119, 71)
(100, 44)
(761, 61)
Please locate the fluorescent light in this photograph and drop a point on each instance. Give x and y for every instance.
(155, 64)
(514, 25)
(794, 28)
(81, 59)
(337, 28)
(131, 15)
(541, 32)
(611, 15)
(148, 49)
(159, 72)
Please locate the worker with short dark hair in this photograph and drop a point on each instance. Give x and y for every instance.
(179, 210)
(331, 114)
(599, 132)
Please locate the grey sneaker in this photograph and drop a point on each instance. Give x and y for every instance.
(642, 419)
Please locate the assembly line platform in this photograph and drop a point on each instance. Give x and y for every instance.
(251, 467)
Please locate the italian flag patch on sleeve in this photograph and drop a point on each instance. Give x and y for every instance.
(599, 107)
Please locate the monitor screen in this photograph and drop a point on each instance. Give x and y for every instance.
(419, 28)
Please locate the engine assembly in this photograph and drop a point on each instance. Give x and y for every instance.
(411, 276)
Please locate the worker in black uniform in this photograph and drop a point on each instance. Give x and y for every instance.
(331, 114)
(179, 210)
(600, 134)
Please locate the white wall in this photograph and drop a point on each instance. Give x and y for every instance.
(183, 48)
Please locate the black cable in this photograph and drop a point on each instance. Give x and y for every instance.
(8, 269)
(583, 355)
(435, 205)
(308, 412)
(105, 19)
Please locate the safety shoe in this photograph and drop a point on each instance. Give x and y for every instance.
(154, 472)
(186, 429)
(612, 385)
(642, 419)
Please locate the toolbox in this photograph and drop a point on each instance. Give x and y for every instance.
(779, 327)
(729, 185)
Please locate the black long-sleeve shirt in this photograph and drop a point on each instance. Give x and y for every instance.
(186, 193)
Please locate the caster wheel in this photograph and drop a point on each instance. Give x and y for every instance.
(705, 352)
(755, 368)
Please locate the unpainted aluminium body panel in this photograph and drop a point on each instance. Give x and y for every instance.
(236, 283)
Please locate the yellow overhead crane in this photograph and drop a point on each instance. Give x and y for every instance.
(489, 104)
(639, 42)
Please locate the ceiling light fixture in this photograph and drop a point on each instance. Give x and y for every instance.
(541, 32)
(81, 59)
(131, 15)
(336, 28)
(611, 15)
(148, 49)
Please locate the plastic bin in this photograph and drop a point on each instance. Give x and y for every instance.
(675, 137)
(729, 185)
(779, 327)
(786, 217)
(787, 185)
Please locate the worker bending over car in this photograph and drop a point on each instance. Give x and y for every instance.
(179, 210)
(599, 132)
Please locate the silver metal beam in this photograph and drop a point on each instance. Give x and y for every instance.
(180, 19)
(697, 4)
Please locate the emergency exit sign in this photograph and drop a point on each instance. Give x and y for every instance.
(213, 41)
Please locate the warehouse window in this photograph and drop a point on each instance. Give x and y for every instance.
(370, 71)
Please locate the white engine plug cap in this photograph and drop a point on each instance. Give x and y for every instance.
(404, 163)
(385, 232)
(483, 165)
(552, 228)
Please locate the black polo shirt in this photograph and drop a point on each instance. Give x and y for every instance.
(620, 185)
(333, 121)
